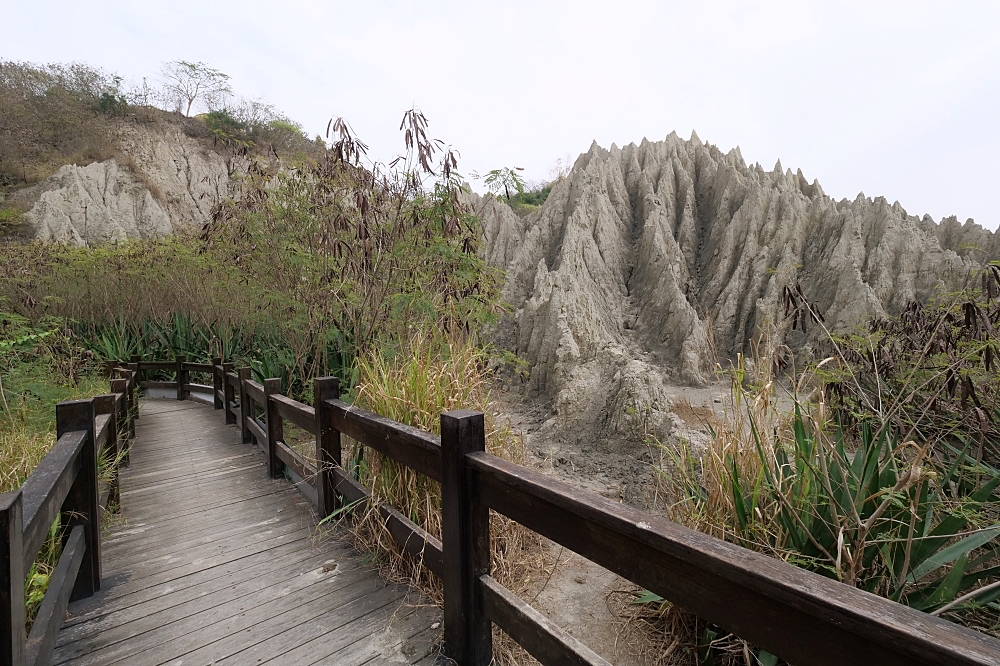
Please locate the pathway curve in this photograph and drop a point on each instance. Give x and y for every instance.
(215, 563)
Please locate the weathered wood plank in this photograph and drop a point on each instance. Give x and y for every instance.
(368, 616)
(289, 630)
(408, 535)
(175, 593)
(537, 634)
(392, 645)
(255, 391)
(295, 462)
(146, 383)
(184, 510)
(754, 596)
(145, 537)
(168, 558)
(214, 558)
(45, 490)
(128, 593)
(44, 631)
(301, 415)
(192, 624)
(156, 365)
(418, 450)
(257, 430)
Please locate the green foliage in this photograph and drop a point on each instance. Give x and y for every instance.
(414, 383)
(10, 216)
(112, 101)
(296, 275)
(40, 364)
(532, 198)
(227, 129)
(931, 371)
(884, 517)
(505, 180)
(255, 126)
(348, 259)
(882, 473)
(51, 115)
(112, 105)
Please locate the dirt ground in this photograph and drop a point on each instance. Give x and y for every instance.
(576, 593)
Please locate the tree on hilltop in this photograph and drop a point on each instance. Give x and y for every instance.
(187, 82)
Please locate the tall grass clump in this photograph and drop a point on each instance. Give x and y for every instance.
(428, 375)
(40, 364)
(875, 466)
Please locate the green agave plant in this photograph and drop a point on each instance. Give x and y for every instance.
(894, 519)
(889, 518)
(914, 525)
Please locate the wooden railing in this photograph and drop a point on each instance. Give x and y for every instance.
(63, 486)
(800, 616)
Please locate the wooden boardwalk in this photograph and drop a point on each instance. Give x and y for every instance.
(214, 563)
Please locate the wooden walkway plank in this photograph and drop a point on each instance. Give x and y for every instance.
(214, 562)
(354, 642)
(406, 639)
(290, 629)
(184, 628)
(160, 602)
(126, 598)
(165, 556)
(176, 513)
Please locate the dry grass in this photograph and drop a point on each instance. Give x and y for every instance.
(27, 426)
(430, 376)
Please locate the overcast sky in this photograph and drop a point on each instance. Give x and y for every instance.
(898, 99)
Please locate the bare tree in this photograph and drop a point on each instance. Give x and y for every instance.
(187, 82)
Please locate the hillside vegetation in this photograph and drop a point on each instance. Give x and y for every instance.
(53, 115)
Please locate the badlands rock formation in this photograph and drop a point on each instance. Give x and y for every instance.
(649, 263)
(165, 181)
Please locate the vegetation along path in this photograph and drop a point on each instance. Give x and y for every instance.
(215, 563)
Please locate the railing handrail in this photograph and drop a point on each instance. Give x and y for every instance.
(796, 614)
(824, 621)
(63, 485)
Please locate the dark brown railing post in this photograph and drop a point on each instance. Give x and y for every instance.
(465, 534)
(133, 364)
(124, 417)
(275, 468)
(135, 377)
(81, 506)
(245, 413)
(217, 379)
(181, 376)
(327, 444)
(12, 636)
(105, 404)
(228, 393)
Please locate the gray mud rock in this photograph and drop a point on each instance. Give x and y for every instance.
(163, 182)
(650, 263)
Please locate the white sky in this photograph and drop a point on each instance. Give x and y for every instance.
(898, 99)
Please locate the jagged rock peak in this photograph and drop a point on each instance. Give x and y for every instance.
(656, 260)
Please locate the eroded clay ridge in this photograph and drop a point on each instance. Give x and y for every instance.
(649, 262)
(163, 181)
